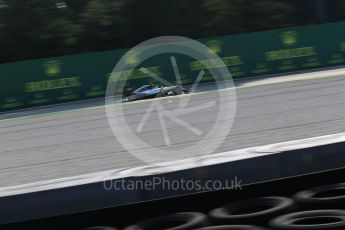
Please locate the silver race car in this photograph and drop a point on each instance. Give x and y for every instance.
(152, 91)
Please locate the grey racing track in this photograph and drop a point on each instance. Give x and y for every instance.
(74, 139)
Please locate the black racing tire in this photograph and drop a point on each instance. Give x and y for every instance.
(318, 219)
(257, 211)
(322, 197)
(176, 221)
(185, 91)
(100, 228)
(233, 227)
(178, 90)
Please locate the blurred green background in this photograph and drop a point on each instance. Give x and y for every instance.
(44, 28)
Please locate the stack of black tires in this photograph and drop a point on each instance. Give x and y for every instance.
(321, 207)
(313, 201)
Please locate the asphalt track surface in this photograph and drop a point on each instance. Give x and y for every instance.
(74, 139)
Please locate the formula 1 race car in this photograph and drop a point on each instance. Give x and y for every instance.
(152, 91)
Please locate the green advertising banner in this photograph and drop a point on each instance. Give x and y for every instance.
(85, 76)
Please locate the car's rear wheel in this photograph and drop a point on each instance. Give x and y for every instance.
(177, 91)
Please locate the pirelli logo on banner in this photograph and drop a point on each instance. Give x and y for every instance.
(53, 84)
(289, 39)
(290, 53)
(52, 68)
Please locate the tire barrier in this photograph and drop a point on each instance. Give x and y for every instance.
(255, 211)
(322, 197)
(176, 221)
(233, 227)
(319, 219)
(281, 206)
